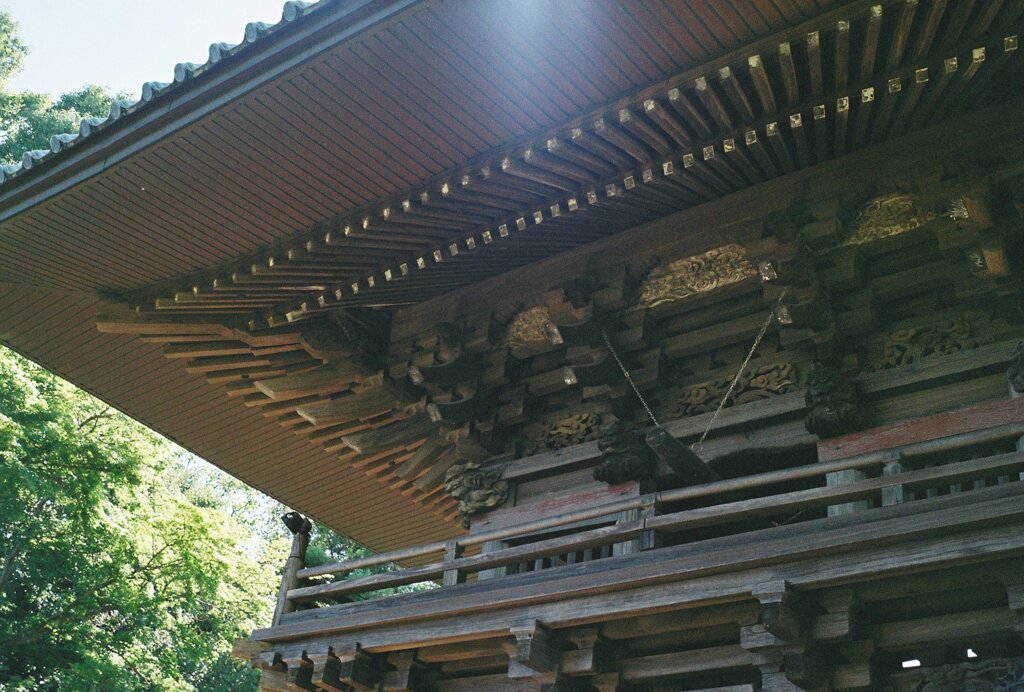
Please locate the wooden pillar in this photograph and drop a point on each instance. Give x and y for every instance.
(780, 633)
(846, 478)
(648, 539)
(296, 561)
(453, 552)
(494, 572)
(893, 494)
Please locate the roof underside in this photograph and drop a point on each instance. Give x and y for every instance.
(257, 162)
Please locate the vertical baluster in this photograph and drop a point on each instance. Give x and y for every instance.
(893, 494)
(453, 551)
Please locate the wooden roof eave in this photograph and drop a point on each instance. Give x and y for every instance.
(216, 85)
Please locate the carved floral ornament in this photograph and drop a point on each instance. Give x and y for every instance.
(974, 676)
(529, 326)
(887, 216)
(754, 384)
(912, 344)
(721, 266)
(571, 430)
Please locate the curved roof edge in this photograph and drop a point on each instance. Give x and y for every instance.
(305, 30)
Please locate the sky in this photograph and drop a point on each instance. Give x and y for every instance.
(122, 43)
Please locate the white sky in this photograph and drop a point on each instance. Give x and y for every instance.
(122, 43)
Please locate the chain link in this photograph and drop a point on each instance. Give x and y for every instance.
(629, 379)
(698, 446)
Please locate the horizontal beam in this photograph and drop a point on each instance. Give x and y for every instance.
(884, 542)
(721, 514)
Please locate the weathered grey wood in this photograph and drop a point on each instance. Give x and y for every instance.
(474, 610)
(508, 556)
(732, 511)
(853, 676)
(893, 494)
(536, 650)
(363, 405)
(321, 381)
(666, 665)
(397, 434)
(867, 459)
(668, 622)
(904, 636)
(847, 477)
(679, 457)
(290, 576)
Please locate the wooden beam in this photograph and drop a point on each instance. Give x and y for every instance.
(536, 650)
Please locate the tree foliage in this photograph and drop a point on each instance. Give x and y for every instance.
(125, 563)
(119, 571)
(28, 119)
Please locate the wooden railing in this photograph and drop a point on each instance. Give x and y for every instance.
(924, 470)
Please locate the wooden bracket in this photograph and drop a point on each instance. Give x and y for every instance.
(837, 623)
(299, 674)
(273, 671)
(806, 667)
(406, 674)
(779, 614)
(537, 650)
(679, 457)
(342, 671)
(249, 650)
(592, 655)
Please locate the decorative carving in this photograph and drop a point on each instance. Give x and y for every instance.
(624, 455)
(834, 406)
(570, 431)
(689, 276)
(529, 327)
(1015, 373)
(887, 216)
(906, 346)
(1000, 674)
(756, 383)
(475, 489)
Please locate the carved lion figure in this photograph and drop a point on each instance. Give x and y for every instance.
(834, 406)
(474, 488)
(624, 455)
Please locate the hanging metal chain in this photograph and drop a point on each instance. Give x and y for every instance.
(698, 446)
(629, 379)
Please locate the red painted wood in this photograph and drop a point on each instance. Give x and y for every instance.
(570, 502)
(983, 416)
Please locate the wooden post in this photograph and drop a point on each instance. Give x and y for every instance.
(631, 546)
(845, 478)
(453, 552)
(495, 572)
(296, 561)
(893, 494)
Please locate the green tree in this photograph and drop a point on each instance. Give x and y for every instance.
(112, 577)
(29, 119)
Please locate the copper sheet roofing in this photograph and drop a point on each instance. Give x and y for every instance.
(339, 108)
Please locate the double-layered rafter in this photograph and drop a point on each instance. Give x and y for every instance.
(805, 96)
